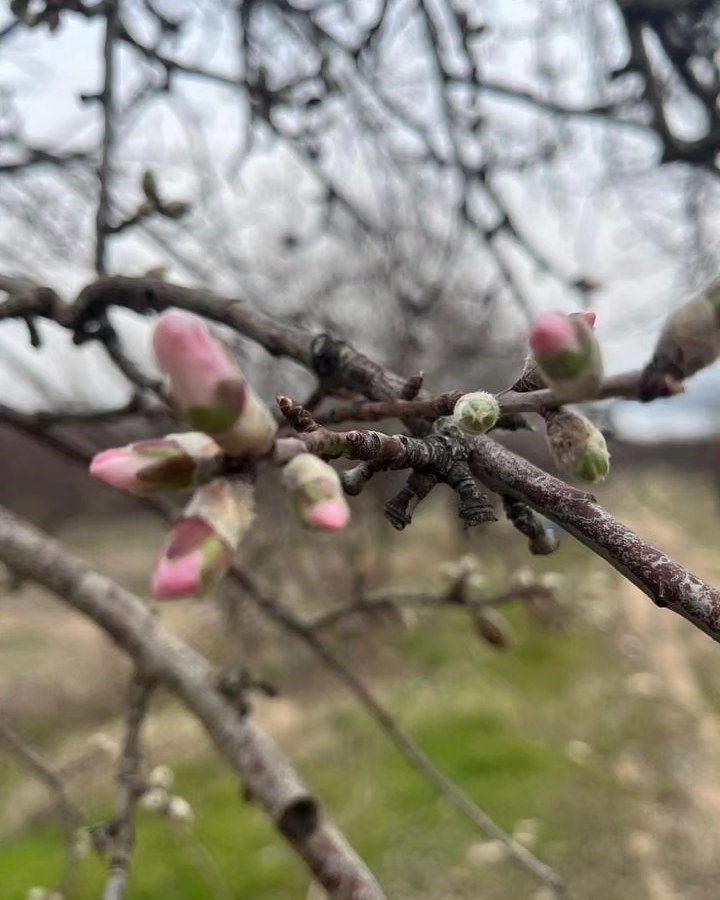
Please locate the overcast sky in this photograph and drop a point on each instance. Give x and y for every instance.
(599, 227)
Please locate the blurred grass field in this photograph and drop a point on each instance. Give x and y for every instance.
(598, 744)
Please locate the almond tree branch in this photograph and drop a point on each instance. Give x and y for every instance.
(666, 582)
(70, 812)
(123, 832)
(337, 362)
(417, 758)
(161, 656)
(107, 100)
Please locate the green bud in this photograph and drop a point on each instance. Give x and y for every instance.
(477, 412)
(577, 446)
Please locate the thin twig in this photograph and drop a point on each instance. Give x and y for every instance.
(123, 826)
(520, 855)
(70, 813)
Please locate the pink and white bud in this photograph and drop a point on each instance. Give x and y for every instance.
(316, 493)
(203, 543)
(159, 464)
(568, 354)
(532, 378)
(208, 389)
(477, 412)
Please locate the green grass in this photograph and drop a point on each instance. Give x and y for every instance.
(496, 723)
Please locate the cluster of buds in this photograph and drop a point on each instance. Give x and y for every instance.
(565, 357)
(476, 412)
(157, 797)
(234, 429)
(577, 446)
(689, 341)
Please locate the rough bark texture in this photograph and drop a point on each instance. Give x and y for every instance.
(666, 582)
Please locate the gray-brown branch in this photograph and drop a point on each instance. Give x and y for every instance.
(123, 827)
(665, 581)
(161, 656)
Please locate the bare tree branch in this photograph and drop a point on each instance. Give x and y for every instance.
(161, 656)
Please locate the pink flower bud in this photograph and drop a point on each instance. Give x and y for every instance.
(208, 389)
(202, 544)
(548, 334)
(316, 492)
(553, 333)
(329, 515)
(161, 464)
(567, 354)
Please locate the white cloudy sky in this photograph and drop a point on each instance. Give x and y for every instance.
(601, 228)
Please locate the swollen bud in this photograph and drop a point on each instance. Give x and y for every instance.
(476, 412)
(316, 493)
(175, 209)
(567, 355)
(160, 464)
(689, 341)
(532, 378)
(203, 543)
(577, 446)
(492, 627)
(207, 388)
(149, 187)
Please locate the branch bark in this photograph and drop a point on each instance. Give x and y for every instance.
(161, 656)
(666, 582)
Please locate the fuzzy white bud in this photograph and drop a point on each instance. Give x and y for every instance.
(155, 800)
(161, 777)
(477, 412)
(179, 810)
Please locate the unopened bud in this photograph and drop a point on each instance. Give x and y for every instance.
(160, 464)
(150, 188)
(532, 378)
(689, 341)
(523, 577)
(208, 389)
(179, 810)
(161, 777)
(103, 743)
(82, 843)
(577, 446)
(176, 209)
(37, 893)
(203, 543)
(155, 800)
(492, 628)
(316, 493)
(552, 581)
(568, 355)
(477, 412)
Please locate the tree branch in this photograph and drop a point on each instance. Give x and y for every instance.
(163, 657)
(666, 582)
(123, 827)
